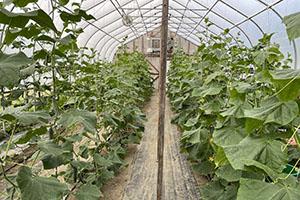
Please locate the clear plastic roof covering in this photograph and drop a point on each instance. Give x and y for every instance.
(248, 19)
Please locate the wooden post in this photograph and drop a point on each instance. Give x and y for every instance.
(143, 44)
(162, 98)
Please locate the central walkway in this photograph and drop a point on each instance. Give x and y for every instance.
(179, 183)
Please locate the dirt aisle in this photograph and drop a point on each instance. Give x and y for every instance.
(179, 183)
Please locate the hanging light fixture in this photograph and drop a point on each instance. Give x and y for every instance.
(127, 20)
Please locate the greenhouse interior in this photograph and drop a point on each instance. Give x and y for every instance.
(150, 99)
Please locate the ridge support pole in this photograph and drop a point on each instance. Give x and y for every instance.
(162, 98)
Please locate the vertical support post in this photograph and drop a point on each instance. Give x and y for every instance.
(143, 44)
(162, 97)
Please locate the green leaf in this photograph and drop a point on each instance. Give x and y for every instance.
(270, 172)
(39, 188)
(274, 54)
(251, 189)
(264, 150)
(32, 118)
(63, 2)
(67, 39)
(192, 121)
(50, 148)
(85, 118)
(44, 20)
(7, 117)
(284, 114)
(276, 112)
(228, 136)
(56, 155)
(229, 174)
(52, 161)
(10, 66)
(23, 3)
(292, 23)
(236, 111)
(88, 192)
(45, 38)
(242, 87)
(211, 107)
(216, 191)
(252, 124)
(220, 157)
(287, 83)
(75, 17)
(41, 54)
(210, 90)
(27, 32)
(30, 134)
(81, 165)
(25, 73)
(196, 136)
(15, 19)
(101, 161)
(260, 57)
(271, 54)
(21, 19)
(213, 76)
(204, 168)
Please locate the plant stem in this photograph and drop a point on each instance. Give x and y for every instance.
(54, 95)
(294, 133)
(2, 98)
(37, 155)
(6, 178)
(10, 142)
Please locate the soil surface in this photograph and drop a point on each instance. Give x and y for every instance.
(114, 189)
(179, 182)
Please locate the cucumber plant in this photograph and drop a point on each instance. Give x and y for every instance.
(74, 114)
(238, 109)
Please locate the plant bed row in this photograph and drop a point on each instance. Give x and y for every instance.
(85, 143)
(238, 110)
(76, 112)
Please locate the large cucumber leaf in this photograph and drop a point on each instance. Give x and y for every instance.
(20, 20)
(75, 17)
(88, 192)
(228, 136)
(39, 188)
(55, 155)
(27, 32)
(229, 174)
(287, 83)
(264, 150)
(30, 134)
(32, 118)
(292, 23)
(85, 118)
(251, 189)
(10, 66)
(215, 190)
(277, 112)
(23, 3)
